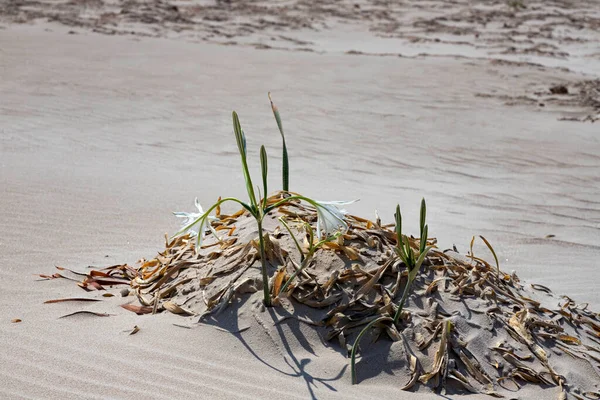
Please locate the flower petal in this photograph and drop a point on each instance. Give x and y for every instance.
(330, 218)
(188, 219)
(198, 206)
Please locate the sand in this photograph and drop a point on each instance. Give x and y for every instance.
(103, 136)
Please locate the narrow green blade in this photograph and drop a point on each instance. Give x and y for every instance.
(423, 215)
(265, 169)
(285, 166)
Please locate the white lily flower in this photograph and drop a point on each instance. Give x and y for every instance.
(198, 229)
(330, 218)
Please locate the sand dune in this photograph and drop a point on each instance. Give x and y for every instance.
(102, 137)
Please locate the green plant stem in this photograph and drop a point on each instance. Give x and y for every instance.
(263, 259)
(357, 342)
(286, 168)
(402, 301)
(286, 226)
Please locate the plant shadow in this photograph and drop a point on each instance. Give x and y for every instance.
(235, 321)
(383, 357)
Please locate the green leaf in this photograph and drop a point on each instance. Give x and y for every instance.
(241, 143)
(401, 255)
(399, 243)
(311, 235)
(285, 166)
(244, 143)
(413, 273)
(398, 217)
(265, 170)
(410, 254)
(239, 135)
(424, 238)
(423, 215)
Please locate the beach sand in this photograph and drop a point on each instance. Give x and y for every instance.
(102, 136)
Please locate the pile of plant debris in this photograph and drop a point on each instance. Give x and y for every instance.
(466, 326)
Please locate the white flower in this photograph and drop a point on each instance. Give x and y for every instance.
(330, 218)
(197, 229)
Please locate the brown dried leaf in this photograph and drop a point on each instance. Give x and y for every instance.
(97, 314)
(415, 371)
(54, 276)
(462, 380)
(366, 288)
(70, 270)
(206, 280)
(434, 285)
(218, 209)
(351, 253)
(139, 310)
(278, 281)
(16, 320)
(70, 299)
(176, 309)
(569, 339)
(415, 365)
(441, 355)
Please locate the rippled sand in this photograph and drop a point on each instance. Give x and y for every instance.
(102, 137)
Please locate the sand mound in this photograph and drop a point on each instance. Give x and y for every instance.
(466, 327)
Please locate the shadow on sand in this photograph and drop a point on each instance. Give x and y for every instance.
(235, 322)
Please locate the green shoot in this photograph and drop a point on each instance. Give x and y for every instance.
(413, 262)
(407, 254)
(265, 170)
(286, 166)
(329, 218)
(241, 143)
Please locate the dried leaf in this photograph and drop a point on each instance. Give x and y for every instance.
(16, 320)
(278, 281)
(351, 253)
(139, 310)
(415, 371)
(462, 380)
(97, 314)
(70, 270)
(569, 339)
(70, 299)
(441, 355)
(541, 288)
(206, 280)
(176, 309)
(434, 285)
(366, 288)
